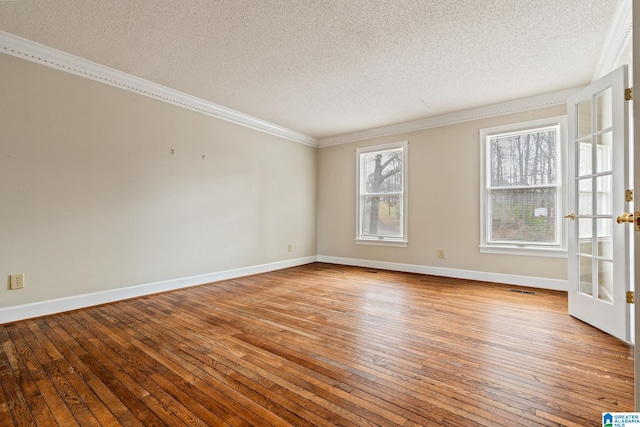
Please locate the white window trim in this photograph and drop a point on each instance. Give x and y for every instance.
(555, 251)
(385, 241)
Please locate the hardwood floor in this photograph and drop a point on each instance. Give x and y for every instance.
(316, 345)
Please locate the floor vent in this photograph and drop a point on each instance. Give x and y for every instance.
(372, 271)
(522, 291)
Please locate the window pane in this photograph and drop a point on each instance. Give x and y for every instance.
(527, 215)
(523, 159)
(381, 194)
(382, 172)
(382, 216)
(521, 179)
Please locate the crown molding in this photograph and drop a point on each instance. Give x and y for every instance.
(618, 41)
(35, 52)
(617, 45)
(540, 101)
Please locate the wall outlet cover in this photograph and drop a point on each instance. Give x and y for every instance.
(17, 281)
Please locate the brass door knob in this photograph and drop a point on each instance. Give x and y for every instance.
(571, 216)
(625, 217)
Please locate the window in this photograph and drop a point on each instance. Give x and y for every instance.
(521, 193)
(382, 195)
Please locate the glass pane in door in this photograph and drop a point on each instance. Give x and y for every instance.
(585, 266)
(604, 161)
(584, 158)
(585, 236)
(605, 241)
(604, 110)
(605, 280)
(584, 118)
(585, 199)
(603, 195)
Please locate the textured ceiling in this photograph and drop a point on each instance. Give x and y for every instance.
(326, 68)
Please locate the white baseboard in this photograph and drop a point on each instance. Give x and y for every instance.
(509, 279)
(44, 308)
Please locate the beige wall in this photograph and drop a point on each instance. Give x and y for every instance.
(444, 201)
(92, 199)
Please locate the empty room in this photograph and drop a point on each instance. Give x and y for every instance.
(310, 213)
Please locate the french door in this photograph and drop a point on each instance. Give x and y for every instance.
(598, 174)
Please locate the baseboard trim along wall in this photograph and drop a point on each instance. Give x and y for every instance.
(508, 279)
(44, 308)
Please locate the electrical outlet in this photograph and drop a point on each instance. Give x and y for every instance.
(290, 247)
(440, 253)
(17, 281)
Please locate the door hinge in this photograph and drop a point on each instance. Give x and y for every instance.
(631, 298)
(628, 196)
(628, 94)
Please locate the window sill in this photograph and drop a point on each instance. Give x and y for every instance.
(382, 242)
(524, 251)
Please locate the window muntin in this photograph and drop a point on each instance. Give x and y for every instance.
(521, 186)
(381, 205)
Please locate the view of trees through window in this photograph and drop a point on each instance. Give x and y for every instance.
(381, 193)
(524, 187)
